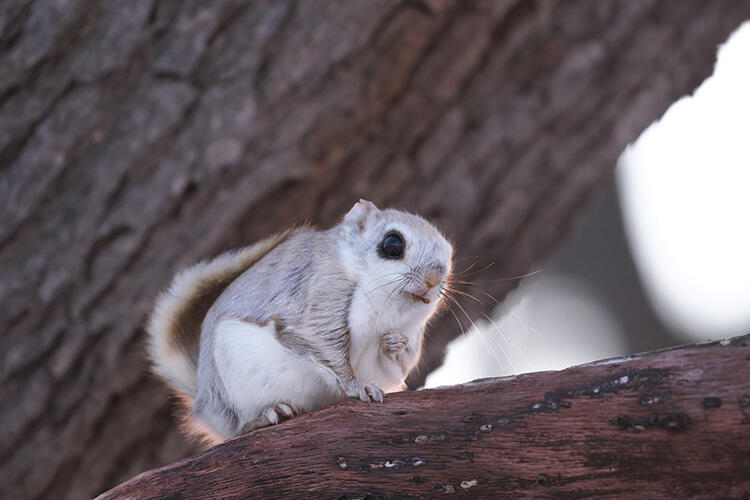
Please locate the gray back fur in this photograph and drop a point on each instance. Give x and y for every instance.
(280, 286)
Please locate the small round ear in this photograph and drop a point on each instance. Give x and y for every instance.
(357, 215)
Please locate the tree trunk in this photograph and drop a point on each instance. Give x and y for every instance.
(138, 136)
(669, 424)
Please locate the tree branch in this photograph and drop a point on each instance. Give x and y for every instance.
(665, 424)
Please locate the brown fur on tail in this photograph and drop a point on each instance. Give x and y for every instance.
(174, 327)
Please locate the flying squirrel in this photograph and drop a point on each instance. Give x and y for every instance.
(299, 320)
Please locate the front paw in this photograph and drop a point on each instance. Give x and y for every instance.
(365, 392)
(393, 343)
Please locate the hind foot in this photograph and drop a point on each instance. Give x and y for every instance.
(279, 412)
(271, 415)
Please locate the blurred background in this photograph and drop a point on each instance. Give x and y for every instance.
(547, 139)
(660, 258)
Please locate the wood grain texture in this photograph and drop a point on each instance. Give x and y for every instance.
(138, 136)
(669, 424)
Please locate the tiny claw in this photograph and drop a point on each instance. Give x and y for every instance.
(286, 409)
(271, 415)
(363, 396)
(373, 392)
(378, 396)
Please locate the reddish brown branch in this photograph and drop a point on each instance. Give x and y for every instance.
(667, 424)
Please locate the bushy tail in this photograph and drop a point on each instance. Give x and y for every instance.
(175, 325)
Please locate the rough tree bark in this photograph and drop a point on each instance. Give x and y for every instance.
(137, 136)
(670, 424)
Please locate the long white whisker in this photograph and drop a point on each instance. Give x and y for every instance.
(481, 336)
(404, 281)
(528, 327)
(507, 338)
(386, 284)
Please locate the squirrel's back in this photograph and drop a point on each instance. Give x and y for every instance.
(175, 325)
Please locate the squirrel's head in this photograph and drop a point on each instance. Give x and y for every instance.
(397, 255)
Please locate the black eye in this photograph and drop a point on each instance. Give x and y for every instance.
(392, 246)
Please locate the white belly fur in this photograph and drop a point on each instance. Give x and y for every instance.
(258, 372)
(368, 323)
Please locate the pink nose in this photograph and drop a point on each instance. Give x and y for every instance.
(433, 277)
